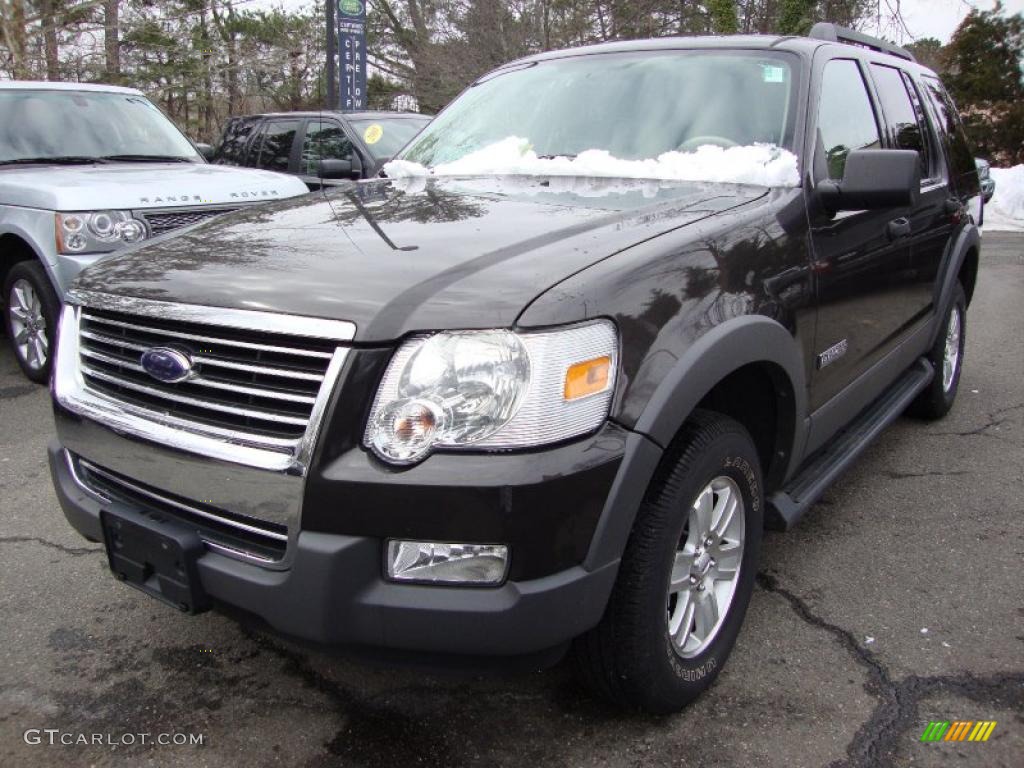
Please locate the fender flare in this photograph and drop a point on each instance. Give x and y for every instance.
(952, 260)
(715, 355)
(718, 353)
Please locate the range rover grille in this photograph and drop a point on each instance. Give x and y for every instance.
(253, 382)
(159, 223)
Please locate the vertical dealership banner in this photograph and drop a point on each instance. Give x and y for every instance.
(352, 53)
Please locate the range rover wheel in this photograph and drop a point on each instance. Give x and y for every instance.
(686, 575)
(30, 315)
(947, 357)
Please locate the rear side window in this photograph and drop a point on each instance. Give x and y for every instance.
(846, 120)
(960, 156)
(906, 131)
(276, 148)
(232, 147)
(325, 140)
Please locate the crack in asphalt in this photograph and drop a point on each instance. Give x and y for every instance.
(74, 551)
(896, 713)
(893, 475)
(994, 419)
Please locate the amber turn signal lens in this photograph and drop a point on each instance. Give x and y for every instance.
(587, 378)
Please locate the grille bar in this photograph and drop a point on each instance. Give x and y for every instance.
(236, 534)
(203, 360)
(204, 382)
(92, 318)
(154, 392)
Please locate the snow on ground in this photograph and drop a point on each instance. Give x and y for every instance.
(762, 164)
(1005, 211)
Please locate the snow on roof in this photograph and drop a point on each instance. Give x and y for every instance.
(762, 164)
(44, 85)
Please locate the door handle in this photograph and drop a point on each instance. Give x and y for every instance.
(898, 228)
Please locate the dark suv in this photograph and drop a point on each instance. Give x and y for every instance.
(354, 144)
(546, 384)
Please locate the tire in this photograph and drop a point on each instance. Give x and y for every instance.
(630, 658)
(31, 309)
(935, 400)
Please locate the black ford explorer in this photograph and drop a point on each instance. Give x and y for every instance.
(500, 407)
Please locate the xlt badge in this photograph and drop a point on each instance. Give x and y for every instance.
(832, 354)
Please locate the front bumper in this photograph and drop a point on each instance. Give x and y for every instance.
(334, 593)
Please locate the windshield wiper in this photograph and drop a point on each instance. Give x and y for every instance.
(147, 158)
(58, 160)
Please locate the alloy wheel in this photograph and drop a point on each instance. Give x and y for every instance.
(951, 358)
(28, 325)
(706, 567)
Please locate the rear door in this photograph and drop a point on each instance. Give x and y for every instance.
(276, 149)
(859, 258)
(931, 219)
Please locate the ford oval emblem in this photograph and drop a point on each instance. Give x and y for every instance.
(166, 364)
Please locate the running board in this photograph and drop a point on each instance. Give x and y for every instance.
(788, 505)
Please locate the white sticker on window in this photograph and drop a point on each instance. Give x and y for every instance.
(772, 74)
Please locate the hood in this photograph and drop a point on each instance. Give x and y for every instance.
(141, 185)
(403, 255)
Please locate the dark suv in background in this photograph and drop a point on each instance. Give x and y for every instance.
(546, 383)
(354, 144)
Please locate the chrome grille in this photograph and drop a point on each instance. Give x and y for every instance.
(159, 223)
(253, 382)
(223, 530)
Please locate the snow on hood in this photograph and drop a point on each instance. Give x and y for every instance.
(763, 164)
(1005, 211)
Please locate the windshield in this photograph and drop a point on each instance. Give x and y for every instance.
(385, 136)
(661, 108)
(43, 124)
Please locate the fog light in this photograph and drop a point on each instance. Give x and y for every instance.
(440, 563)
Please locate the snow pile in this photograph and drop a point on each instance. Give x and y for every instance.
(1005, 211)
(763, 164)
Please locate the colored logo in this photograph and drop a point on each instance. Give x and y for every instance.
(350, 7)
(958, 730)
(166, 364)
(373, 133)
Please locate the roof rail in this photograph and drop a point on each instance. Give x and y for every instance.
(824, 30)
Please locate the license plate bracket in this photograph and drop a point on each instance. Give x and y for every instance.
(156, 555)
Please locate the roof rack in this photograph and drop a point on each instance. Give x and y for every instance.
(823, 30)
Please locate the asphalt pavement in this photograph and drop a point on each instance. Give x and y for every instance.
(896, 601)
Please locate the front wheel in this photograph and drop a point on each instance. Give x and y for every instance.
(686, 575)
(31, 318)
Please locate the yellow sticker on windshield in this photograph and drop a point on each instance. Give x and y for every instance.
(372, 133)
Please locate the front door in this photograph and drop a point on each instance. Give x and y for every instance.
(860, 259)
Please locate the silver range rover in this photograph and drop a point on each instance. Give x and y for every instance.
(86, 170)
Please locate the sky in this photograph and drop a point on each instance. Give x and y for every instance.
(924, 18)
(940, 18)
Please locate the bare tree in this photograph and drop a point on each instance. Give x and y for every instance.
(111, 38)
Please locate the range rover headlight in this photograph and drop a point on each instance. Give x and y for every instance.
(97, 231)
(492, 390)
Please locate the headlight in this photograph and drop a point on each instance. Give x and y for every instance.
(492, 390)
(97, 232)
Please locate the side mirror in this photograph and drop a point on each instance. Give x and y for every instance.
(205, 150)
(874, 178)
(351, 168)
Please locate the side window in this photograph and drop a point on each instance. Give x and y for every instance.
(232, 148)
(905, 128)
(276, 148)
(846, 120)
(325, 140)
(960, 155)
